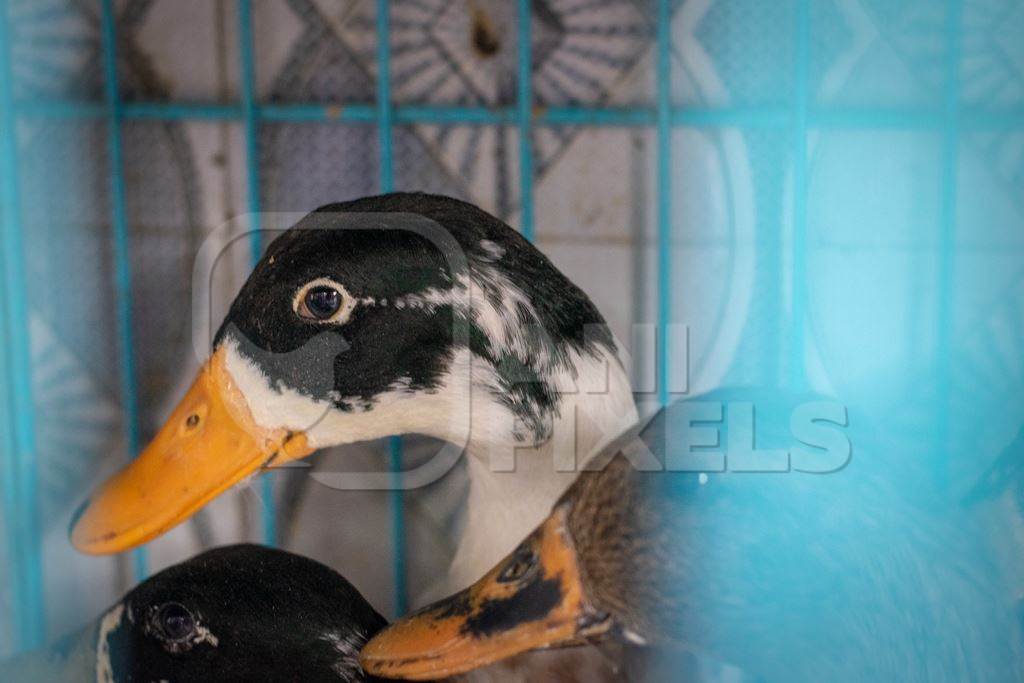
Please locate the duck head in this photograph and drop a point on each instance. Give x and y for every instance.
(237, 613)
(404, 313)
(534, 598)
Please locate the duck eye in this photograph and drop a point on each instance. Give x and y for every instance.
(175, 622)
(521, 564)
(323, 301)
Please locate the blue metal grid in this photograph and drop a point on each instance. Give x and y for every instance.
(19, 475)
(122, 264)
(385, 124)
(252, 184)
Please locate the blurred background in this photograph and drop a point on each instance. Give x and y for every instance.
(825, 193)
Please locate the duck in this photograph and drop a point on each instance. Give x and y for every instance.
(808, 562)
(234, 613)
(404, 313)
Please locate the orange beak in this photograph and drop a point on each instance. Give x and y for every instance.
(533, 599)
(209, 443)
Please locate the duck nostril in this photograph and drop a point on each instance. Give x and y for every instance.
(192, 420)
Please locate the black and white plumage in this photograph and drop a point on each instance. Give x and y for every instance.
(237, 613)
(438, 319)
(429, 277)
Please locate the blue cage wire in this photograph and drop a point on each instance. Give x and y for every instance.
(794, 118)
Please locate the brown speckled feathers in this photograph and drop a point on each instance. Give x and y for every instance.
(628, 547)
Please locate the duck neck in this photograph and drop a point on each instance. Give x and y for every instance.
(514, 481)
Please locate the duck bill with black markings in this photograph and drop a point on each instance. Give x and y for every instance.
(210, 443)
(532, 599)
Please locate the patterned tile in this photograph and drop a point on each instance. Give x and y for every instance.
(55, 48)
(992, 53)
(302, 57)
(874, 205)
(590, 189)
(305, 165)
(180, 50)
(759, 354)
(990, 164)
(870, 53)
(888, 180)
(988, 372)
(163, 210)
(73, 335)
(457, 53)
(737, 52)
(874, 201)
(476, 163)
(454, 54)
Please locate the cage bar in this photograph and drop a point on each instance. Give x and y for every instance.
(798, 305)
(947, 235)
(663, 46)
(524, 117)
(770, 117)
(252, 179)
(385, 138)
(19, 466)
(122, 249)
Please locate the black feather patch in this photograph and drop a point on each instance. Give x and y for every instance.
(532, 602)
(379, 250)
